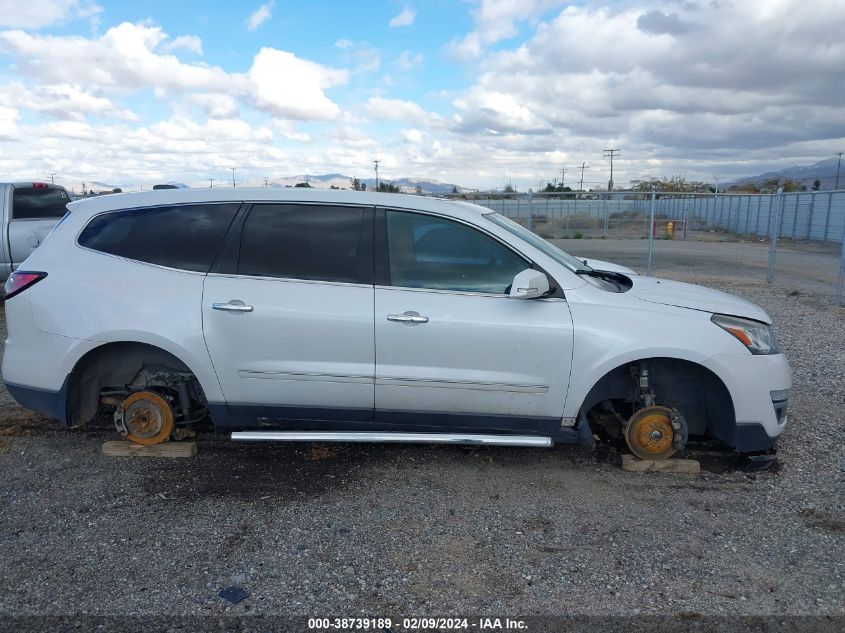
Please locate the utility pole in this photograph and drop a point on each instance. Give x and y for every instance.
(375, 162)
(838, 163)
(584, 166)
(53, 176)
(716, 193)
(562, 177)
(611, 153)
(211, 183)
(266, 182)
(233, 176)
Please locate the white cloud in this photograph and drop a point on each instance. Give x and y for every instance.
(408, 60)
(287, 86)
(394, 109)
(215, 106)
(496, 20)
(35, 14)
(260, 16)
(126, 59)
(63, 101)
(189, 43)
(404, 18)
(8, 122)
(412, 135)
(363, 57)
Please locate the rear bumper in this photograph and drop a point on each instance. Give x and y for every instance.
(49, 403)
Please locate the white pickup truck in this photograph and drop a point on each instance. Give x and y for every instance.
(29, 211)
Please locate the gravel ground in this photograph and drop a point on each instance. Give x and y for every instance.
(421, 530)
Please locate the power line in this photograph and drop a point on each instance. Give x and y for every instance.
(611, 153)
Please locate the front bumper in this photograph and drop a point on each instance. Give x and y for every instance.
(759, 388)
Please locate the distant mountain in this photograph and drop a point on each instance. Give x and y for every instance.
(824, 171)
(326, 181)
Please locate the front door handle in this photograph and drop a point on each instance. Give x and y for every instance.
(232, 306)
(408, 317)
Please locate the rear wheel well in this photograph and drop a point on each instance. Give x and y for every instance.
(698, 394)
(122, 367)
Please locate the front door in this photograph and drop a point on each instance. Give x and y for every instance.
(453, 351)
(289, 326)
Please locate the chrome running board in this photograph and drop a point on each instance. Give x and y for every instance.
(389, 437)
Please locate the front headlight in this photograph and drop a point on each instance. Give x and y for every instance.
(758, 337)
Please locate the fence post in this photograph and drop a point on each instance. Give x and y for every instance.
(530, 201)
(651, 234)
(605, 214)
(827, 217)
(773, 238)
(810, 218)
(840, 284)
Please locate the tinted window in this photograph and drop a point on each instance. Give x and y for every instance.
(29, 203)
(430, 252)
(185, 237)
(304, 242)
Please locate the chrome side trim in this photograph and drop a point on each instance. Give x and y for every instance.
(435, 383)
(401, 438)
(289, 375)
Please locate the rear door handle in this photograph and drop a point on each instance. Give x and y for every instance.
(232, 306)
(408, 317)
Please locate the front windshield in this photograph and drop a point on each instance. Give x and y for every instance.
(572, 263)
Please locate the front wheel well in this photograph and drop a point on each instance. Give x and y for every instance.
(698, 393)
(118, 366)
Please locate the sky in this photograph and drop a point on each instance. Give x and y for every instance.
(474, 92)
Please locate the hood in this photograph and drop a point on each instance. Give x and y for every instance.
(597, 264)
(676, 293)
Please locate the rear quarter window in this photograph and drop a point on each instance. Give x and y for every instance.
(183, 237)
(30, 203)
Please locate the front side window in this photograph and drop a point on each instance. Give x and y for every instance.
(427, 251)
(185, 237)
(35, 203)
(310, 242)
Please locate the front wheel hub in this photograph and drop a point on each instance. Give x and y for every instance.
(650, 433)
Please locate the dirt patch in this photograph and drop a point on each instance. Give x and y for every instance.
(22, 424)
(282, 472)
(823, 520)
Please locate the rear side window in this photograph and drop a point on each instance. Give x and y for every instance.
(313, 242)
(184, 237)
(29, 203)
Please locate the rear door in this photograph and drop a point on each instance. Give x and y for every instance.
(289, 320)
(35, 211)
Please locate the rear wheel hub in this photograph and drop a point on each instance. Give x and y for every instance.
(148, 418)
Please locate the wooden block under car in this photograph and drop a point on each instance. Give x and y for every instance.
(634, 464)
(125, 448)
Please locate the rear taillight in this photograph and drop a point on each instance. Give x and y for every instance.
(20, 280)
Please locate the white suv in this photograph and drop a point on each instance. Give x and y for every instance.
(335, 315)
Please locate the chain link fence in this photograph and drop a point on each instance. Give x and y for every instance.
(793, 240)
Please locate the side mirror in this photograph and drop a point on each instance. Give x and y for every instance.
(529, 284)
